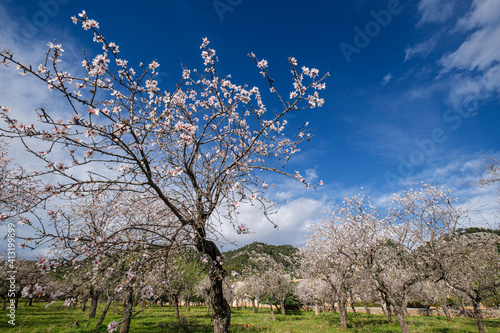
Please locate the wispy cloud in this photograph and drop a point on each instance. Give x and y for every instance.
(435, 11)
(421, 49)
(387, 79)
(475, 64)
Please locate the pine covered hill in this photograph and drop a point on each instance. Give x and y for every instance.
(251, 254)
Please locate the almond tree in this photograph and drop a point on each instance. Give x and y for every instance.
(337, 246)
(19, 192)
(433, 293)
(198, 147)
(109, 243)
(421, 224)
(473, 269)
(177, 275)
(253, 286)
(203, 291)
(314, 293)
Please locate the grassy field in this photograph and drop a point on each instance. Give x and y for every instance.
(56, 318)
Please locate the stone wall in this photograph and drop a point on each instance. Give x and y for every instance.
(487, 313)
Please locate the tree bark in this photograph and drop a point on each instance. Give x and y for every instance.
(127, 312)
(84, 304)
(400, 315)
(175, 303)
(272, 310)
(478, 315)
(221, 311)
(104, 312)
(93, 304)
(389, 311)
(446, 312)
(316, 309)
(283, 307)
(255, 308)
(342, 314)
(351, 301)
(188, 308)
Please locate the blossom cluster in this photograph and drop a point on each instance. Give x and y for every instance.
(70, 302)
(113, 326)
(46, 266)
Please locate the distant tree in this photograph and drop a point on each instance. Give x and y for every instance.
(254, 287)
(315, 293)
(20, 191)
(473, 269)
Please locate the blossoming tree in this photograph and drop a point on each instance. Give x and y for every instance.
(198, 147)
(19, 191)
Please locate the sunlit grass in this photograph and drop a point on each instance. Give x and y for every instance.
(57, 318)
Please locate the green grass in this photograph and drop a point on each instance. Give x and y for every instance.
(37, 319)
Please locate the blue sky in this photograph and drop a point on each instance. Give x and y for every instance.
(413, 94)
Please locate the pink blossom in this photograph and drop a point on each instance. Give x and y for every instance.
(262, 64)
(113, 326)
(154, 65)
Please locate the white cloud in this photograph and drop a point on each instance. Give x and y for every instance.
(477, 59)
(387, 79)
(421, 49)
(479, 51)
(437, 11)
(22, 94)
(292, 220)
(483, 12)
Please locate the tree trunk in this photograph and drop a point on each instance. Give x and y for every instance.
(221, 311)
(389, 311)
(283, 307)
(351, 301)
(478, 315)
(84, 305)
(93, 305)
(104, 312)
(127, 312)
(342, 314)
(4, 303)
(272, 310)
(400, 315)
(255, 308)
(446, 312)
(316, 309)
(383, 309)
(188, 309)
(207, 303)
(175, 303)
